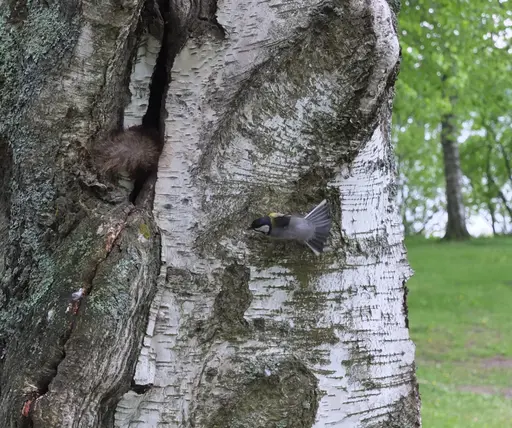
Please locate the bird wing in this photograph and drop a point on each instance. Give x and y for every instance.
(279, 220)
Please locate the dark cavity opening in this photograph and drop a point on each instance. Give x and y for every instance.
(154, 119)
(140, 389)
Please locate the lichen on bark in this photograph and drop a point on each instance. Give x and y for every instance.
(263, 393)
(64, 69)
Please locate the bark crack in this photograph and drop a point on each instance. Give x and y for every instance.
(154, 118)
(140, 389)
(49, 372)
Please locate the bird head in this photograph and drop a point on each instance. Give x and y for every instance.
(262, 225)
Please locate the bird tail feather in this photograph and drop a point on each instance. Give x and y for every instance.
(320, 217)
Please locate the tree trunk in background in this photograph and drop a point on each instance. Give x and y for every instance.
(491, 208)
(490, 189)
(456, 226)
(270, 107)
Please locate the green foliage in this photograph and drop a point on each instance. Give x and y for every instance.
(456, 59)
(461, 323)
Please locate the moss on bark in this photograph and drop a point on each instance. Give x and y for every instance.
(63, 67)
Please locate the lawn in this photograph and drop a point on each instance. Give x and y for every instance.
(460, 318)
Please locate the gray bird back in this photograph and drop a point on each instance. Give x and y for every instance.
(298, 228)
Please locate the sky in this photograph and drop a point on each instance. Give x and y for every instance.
(477, 225)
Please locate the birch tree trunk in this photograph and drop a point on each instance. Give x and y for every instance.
(268, 106)
(456, 226)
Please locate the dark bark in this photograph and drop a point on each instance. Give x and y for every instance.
(64, 69)
(492, 211)
(456, 226)
(490, 205)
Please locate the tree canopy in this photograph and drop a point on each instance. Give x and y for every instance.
(456, 60)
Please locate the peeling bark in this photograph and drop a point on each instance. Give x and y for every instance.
(293, 106)
(270, 107)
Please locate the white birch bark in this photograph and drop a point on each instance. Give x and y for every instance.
(292, 106)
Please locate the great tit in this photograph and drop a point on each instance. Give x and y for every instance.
(313, 229)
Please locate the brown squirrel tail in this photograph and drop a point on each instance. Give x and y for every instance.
(133, 151)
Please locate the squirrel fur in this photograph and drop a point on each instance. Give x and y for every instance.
(133, 151)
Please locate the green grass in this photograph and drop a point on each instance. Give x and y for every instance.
(460, 317)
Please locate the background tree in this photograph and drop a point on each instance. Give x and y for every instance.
(487, 151)
(270, 107)
(451, 49)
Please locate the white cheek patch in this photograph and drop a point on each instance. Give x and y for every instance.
(263, 229)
